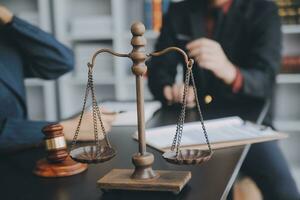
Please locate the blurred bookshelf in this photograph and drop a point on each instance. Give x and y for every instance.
(85, 26)
(288, 78)
(41, 95)
(291, 28)
(94, 24)
(289, 11)
(286, 112)
(118, 82)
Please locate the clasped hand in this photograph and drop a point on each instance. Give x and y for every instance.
(209, 55)
(174, 94)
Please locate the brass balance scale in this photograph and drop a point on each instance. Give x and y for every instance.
(143, 177)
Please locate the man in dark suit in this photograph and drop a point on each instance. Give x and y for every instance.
(236, 45)
(26, 52)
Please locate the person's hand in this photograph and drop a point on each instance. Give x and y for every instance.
(5, 15)
(209, 55)
(86, 132)
(174, 94)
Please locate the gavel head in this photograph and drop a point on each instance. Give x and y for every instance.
(55, 143)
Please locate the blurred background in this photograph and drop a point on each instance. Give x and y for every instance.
(87, 25)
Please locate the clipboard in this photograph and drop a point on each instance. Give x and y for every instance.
(219, 133)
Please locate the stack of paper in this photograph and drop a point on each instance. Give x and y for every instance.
(224, 132)
(128, 111)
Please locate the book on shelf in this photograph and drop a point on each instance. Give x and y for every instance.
(153, 13)
(157, 15)
(165, 5)
(291, 64)
(289, 11)
(148, 14)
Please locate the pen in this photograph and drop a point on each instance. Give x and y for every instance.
(113, 113)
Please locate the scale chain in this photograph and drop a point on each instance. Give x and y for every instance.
(95, 114)
(185, 92)
(179, 128)
(102, 125)
(200, 113)
(74, 141)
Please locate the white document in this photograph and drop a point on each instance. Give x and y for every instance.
(128, 115)
(219, 130)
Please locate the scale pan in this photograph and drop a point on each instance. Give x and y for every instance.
(88, 154)
(187, 156)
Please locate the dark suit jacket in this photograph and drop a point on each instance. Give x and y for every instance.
(25, 51)
(250, 36)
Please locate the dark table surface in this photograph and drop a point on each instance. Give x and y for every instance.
(210, 181)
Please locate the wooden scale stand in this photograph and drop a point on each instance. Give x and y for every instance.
(143, 177)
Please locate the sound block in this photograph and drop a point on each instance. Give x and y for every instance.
(169, 181)
(68, 167)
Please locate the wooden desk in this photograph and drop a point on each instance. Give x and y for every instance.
(210, 181)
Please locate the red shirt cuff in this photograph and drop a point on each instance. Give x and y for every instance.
(238, 81)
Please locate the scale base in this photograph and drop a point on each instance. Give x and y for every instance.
(68, 167)
(167, 181)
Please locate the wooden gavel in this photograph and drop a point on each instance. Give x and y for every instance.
(58, 162)
(55, 143)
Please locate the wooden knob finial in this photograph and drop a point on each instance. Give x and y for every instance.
(138, 29)
(55, 143)
(138, 54)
